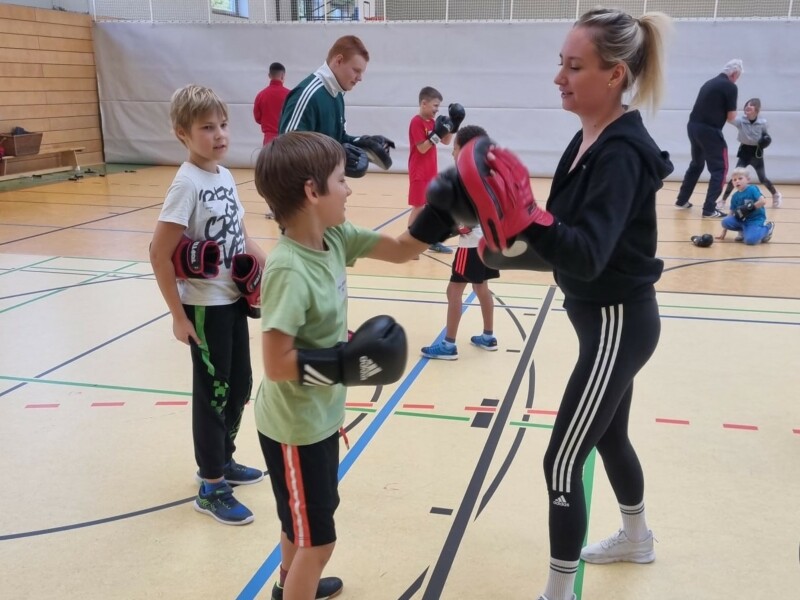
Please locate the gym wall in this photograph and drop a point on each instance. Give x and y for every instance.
(48, 81)
(501, 72)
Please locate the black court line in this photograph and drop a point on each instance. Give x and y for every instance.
(77, 225)
(86, 353)
(717, 260)
(447, 556)
(136, 513)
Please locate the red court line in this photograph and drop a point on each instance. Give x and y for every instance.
(486, 409)
(539, 411)
(42, 405)
(673, 421)
(108, 404)
(359, 404)
(172, 403)
(428, 406)
(736, 426)
(797, 431)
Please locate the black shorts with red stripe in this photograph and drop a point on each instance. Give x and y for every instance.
(469, 268)
(305, 482)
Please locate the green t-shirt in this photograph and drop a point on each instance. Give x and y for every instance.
(304, 294)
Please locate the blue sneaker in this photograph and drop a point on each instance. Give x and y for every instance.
(487, 343)
(441, 350)
(217, 501)
(237, 474)
(328, 587)
(440, 248)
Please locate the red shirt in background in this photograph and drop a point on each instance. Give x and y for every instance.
(267, 108)
(421, 167)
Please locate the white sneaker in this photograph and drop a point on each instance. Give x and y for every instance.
(721, 206)
(617, 548)
(543, 597)
(777, 200)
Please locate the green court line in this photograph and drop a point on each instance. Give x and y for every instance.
(54, 292)
(406, 413)
(28, 181)
(28, 266)
(588, 488)
(527, 424)
(99, 386)
(361, 410)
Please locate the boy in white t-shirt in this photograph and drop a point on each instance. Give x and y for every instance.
(198, 244)
(467, 268)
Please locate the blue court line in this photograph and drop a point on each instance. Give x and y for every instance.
(273, 561)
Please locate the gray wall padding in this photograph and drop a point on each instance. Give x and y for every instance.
(501, 72)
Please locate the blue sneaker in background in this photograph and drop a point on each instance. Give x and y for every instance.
(217, 501)
(441, 350)
(486, 342)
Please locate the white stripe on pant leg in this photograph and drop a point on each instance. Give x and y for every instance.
(556, 483)
(616, 335)
(590, 401)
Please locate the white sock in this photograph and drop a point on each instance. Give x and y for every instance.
(561, 579)
(633, 522)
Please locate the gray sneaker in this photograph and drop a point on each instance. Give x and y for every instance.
(618, 548)
(777, 200)
(770, 228)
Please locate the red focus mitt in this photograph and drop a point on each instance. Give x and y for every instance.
(196, 260)
(246, 274)
(499, 188)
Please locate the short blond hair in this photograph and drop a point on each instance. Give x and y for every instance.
(743, 172)
(192, 102)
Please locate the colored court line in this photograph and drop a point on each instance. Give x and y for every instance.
(672, 421)
(359, 404)
(541, 411)
(738, 426)
(485, 409)
(99, 386)
(107, 404)
(42, 405)
(528, 424)
(41, 262)
(172, 403)
(797, 431)
(417, 406)
(406, 413)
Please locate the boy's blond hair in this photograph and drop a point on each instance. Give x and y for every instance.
(192, 102)
(743, 172)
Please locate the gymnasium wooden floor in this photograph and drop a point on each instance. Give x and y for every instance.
(442, 490)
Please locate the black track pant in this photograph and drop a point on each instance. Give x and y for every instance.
(221, 384)
(708, 147)
(748, 156)
(615, 342)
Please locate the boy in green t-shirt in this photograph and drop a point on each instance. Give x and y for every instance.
(308, 358)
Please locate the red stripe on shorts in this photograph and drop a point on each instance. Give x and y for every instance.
(461, 260)
(297, 495)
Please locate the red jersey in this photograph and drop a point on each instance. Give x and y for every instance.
(267, 108)
(421, 167)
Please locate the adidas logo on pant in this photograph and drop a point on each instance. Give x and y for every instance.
(367, 368)
(561, 501)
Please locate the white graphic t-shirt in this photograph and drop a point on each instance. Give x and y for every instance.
(208, 206)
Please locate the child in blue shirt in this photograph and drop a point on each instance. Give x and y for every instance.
(747, 211)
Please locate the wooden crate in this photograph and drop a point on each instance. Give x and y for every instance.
(21, 145)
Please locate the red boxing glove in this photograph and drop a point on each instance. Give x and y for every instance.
(196, 260)
(500, 190)
(246, 274)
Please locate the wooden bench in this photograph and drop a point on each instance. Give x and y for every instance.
(49, 161)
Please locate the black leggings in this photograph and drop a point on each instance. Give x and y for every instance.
(221, 384)
(615, 342)
(748, 156)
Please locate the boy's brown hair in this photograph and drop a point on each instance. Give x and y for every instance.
(347, 46)
(429, 93)
(192, 102)
(288, 162)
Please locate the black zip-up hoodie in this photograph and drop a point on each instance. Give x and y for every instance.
(602, 244)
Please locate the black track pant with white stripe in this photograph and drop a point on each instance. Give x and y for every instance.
(615, 342)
